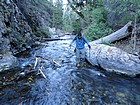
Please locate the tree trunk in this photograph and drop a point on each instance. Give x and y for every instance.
(121, 33)
(114, 59)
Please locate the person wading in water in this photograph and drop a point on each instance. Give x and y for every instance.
(80, 48)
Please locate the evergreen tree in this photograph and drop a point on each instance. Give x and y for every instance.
(57, 15)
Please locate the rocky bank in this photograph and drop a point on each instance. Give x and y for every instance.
(21, 23)
(15, 34)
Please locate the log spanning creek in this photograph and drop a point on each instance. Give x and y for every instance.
(48, 76)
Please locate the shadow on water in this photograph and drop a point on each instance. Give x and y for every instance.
(68, 85)
(103, 89)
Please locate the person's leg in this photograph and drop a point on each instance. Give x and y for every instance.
(77, 57)
(82, 54)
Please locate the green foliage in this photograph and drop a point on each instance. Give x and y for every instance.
(94, 23)
(43, 33)
(126, 18)
(137, 2)
(76, 25)
(3, 67)
(5, 11)
(99, 17)
(54, 9)
(57, 14)
(95, 15)
(97, 24)
(69, 18)
(122, 11)
(0, 3)
(97, 30)
(67, 26)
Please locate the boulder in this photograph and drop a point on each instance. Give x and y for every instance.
(8, 61)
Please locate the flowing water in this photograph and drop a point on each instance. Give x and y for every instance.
(65, 84)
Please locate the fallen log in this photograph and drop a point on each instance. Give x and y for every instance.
(40, 69)
(51, 39)
(114, 59)
(54, 39)
(121, 33)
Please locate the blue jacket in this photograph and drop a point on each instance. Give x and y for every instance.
(80, 42)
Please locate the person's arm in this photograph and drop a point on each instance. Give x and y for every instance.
(73, 41)
(87, 42)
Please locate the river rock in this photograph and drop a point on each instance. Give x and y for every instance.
(8, 62)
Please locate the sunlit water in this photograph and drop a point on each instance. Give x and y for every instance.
(68, 85)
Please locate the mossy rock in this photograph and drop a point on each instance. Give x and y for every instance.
(5, 11)
(0, 3)
(3, 67)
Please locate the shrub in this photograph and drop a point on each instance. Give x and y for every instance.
(96, 31)
(42, 32)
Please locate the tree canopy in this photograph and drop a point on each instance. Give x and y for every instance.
(98, 18)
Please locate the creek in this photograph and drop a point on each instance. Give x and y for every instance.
(65, 84)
